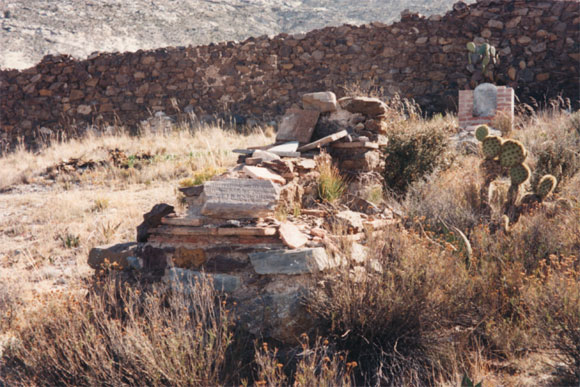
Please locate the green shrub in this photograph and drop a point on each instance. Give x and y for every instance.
(414, 152)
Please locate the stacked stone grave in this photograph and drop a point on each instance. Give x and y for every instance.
(259, 231)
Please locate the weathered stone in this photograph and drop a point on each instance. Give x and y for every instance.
(322, 101)
(265, 155)
(263, 174)
(310, 260)
(189, 258)
(184, 279)
(239, 198)
(292, 236)
(115, 255)
(484, 100)
(350, 220)
(297, 125)
(370, 107)
(153, 219)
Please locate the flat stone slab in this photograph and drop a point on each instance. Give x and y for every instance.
(265, 155)
(324, 140)
(485, 100)
(302, 261)
(239, 198)
(297, 125)
(261, 173)
(324, 101)
(290, 146)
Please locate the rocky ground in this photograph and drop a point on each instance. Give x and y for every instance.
(34, 28)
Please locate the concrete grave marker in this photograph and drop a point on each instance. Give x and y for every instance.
(297, 125)
(239, 198)
(484, 100)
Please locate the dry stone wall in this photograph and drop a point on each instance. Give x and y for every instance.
(422, 58)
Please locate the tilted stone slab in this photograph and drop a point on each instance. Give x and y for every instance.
(239, 198)
(297, 125)
(302, 261)
(485, 100)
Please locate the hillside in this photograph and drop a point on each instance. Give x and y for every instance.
(34, 28)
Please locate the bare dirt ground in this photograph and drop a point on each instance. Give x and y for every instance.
(31, 29)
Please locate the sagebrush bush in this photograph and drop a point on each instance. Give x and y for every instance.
(416, 151)
(119, 335)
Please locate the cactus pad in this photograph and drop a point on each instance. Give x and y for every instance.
(491, 146)
(546, 186)
(512, 153)
(481, 132)
(471, 47)
(519, 173)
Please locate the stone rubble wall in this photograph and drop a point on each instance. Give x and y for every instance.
(418, 57)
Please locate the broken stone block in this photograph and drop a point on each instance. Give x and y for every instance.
(152, 219)
(116, 255)
(185, 278)
(369, 107)
(263, 174)
(297, 125)
(302, 261)
(324, 101)
(292, 236)
(239, 198)
(265, 155)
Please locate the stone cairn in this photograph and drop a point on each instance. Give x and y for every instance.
(260, 231)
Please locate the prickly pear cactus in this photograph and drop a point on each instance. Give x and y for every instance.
(491, 146)
(546, 186)
(512, 153)
(503, 157)
(519, 174)
(481, 132)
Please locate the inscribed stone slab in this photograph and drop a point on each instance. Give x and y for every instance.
(239, 198)
(297, 125)
(484, 100)
(302, 261)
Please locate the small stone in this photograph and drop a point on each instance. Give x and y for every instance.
(495, 24)
(512, 72)
(513, 23)
(263, 174)
(350, 220)
(486, 33)
(524, 40)
(321, 101)
(542, 77)
(292, 236)
(84, 109)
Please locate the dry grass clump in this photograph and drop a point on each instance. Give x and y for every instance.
(171, 155)
(331, 185)
(120, 335)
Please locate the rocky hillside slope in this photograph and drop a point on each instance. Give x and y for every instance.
(34, 28)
